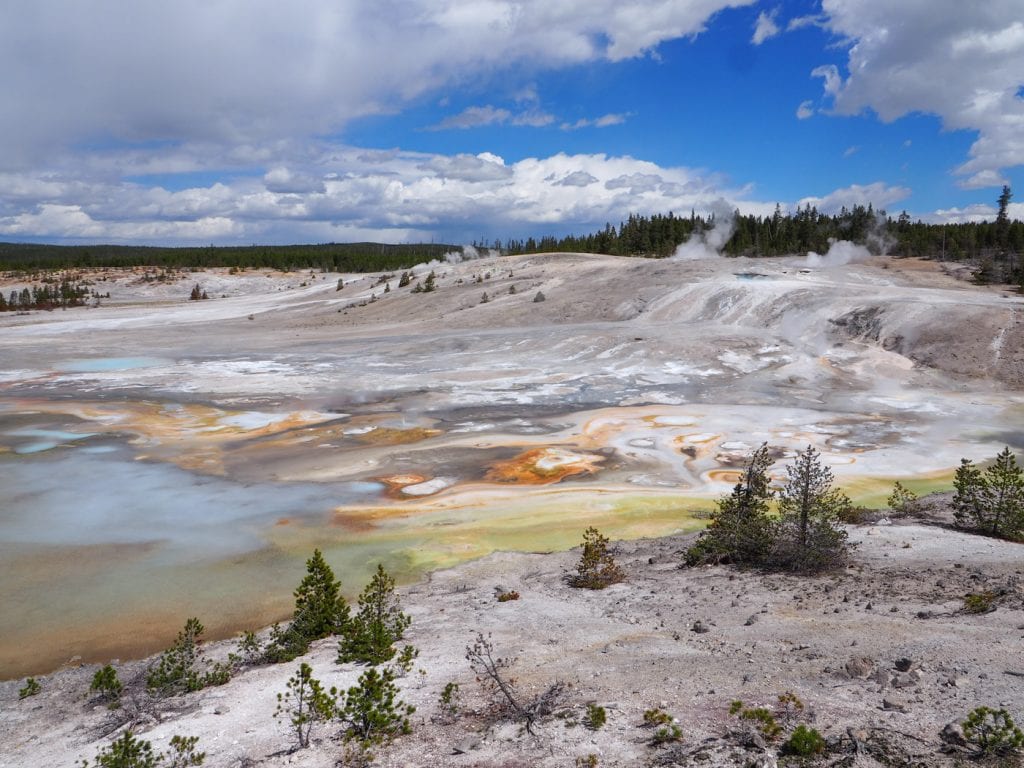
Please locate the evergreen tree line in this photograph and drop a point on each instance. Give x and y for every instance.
(66, 293)
(805, 230)
(329, 257)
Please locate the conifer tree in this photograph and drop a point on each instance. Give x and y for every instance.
(597, 568)
(992, 501)
(320, 608)
(741, 531)
(377, 626)
(809, 539)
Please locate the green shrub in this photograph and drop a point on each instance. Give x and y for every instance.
(760, 718)
(305, 703)
(587, 761)
(596, 717)
(665, 728)
(505, 597)
(655, 716)
(379, 624)
(32, 688)
(980, 602)
(597, 568)
(992, 732)
(107, 686)
(182, 668)
(804, 742)
(666, 734)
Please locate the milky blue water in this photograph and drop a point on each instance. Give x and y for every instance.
(101, 364)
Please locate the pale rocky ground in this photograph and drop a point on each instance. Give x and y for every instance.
(836, 641)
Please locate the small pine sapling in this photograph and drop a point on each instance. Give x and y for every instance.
(403, 664)
(182, 668)
(804, 742)
(992, 732)
(32, 688)
(305, 703)
(377, 626)
(597, 568)
(760, 718)
(449, 703)
(107, 686)
(596, 717)
(900, 499)
(129, 752)
(666, 729)
(371, 710)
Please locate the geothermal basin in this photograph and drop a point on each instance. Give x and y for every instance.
(162, 458)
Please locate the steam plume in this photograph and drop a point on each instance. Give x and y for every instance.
(709, 244)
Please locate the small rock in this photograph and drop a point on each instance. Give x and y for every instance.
(952, 734)
(763, 761)
(751, 619)
(860, 666)
(882, 677)
(904, 664)
(892, 705)
(220, 710)
(699, 627)
(465, 745)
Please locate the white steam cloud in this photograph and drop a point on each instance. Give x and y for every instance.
(709, 244)
(840, 253)
(469, 253)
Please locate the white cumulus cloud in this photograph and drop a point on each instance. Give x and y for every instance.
(964, 64)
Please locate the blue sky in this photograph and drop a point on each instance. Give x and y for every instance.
(403, 120)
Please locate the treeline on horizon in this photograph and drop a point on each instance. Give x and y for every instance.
(995, 246)
(328, 257)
